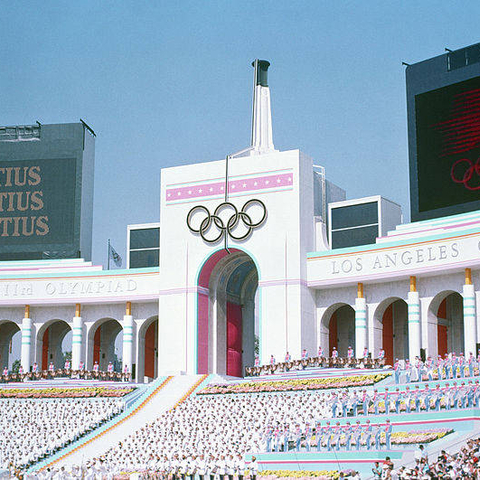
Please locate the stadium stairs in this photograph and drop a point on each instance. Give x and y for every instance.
(162, 395)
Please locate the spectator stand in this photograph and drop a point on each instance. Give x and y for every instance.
(131, 408)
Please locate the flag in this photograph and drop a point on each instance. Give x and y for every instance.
(115, 257)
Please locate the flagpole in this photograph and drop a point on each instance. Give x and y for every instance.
(108, 256)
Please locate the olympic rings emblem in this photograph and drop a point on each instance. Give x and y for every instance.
(227, 229)
(468, 174)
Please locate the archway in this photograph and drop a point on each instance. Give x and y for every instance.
(227, 285)
(50, 342)
(105, 341)
(148, 349)
(392, 317)
(341, 328)
(447, 308)
(9, 336)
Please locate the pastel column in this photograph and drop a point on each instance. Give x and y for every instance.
(469, 318)
(127, 357)
(413, 320)
(360, 322)
(77, 338)
(26, 340)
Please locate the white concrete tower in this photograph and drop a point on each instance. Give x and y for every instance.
(262, 139)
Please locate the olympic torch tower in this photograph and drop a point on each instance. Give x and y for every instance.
(262, 138)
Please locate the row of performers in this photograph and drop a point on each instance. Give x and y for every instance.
(38, 374)
(334, 361)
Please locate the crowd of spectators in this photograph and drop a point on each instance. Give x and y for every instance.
(321, 360)
(33, 429)
(451, 466)
(52, 372)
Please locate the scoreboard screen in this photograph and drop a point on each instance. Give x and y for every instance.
(448, 147)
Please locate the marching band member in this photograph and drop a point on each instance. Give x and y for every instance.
(240, 467)
(357, 434)
(396, 369)
(334, 354)
(96, 367)
(408, 371)
(110, 367)
(35, 368)
(388, 434)
(368, 435)
(350, 353)
(381, 357)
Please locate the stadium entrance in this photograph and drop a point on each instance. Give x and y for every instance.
(7, 331)
(394, 328)
(341, 329)
(227, 284)
(446, 309)
(148, 348)
(102, 343)
(49, 343)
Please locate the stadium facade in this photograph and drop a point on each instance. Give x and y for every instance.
(244, 251)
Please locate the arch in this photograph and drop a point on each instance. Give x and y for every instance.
(391, 328)
(226, 284)
(104, 344)
(9, 333)
(148, 348)
(50, 337)
(446, 311)
(338, 322)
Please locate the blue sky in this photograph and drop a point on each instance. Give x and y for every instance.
(169, 83)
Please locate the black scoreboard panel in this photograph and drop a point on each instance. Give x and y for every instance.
(443, 105)
(448, 145)
(46, 191)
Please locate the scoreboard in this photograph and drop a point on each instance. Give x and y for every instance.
(444, 137)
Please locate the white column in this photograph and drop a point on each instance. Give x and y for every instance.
(127, 356)
(26, 340)
(77, 340)
(469, 320)
(360, 326)
(413, 325)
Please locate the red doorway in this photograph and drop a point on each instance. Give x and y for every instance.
(45, 340)
(150, 350)
(96, 346)
(442, 330)
(332, 333)
(387, 334)
(234, 340)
